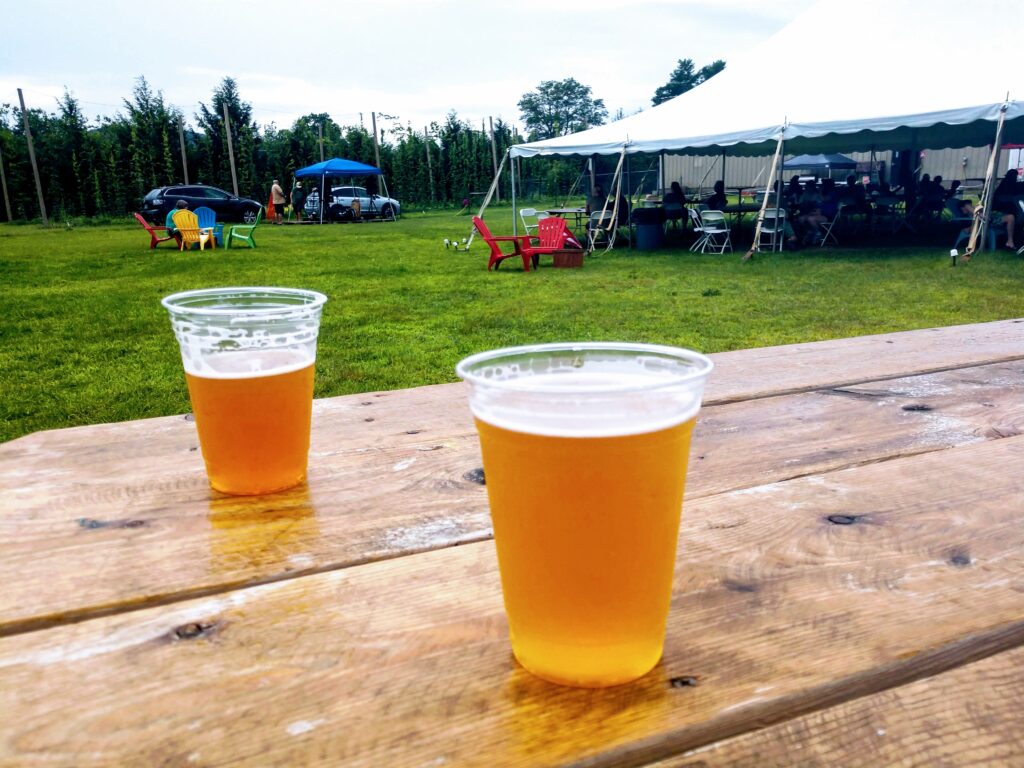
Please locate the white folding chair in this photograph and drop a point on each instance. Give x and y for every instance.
(531, 213)
(717, 235)
(698, 228)
(773, 228)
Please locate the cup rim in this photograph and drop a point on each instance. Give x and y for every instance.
(703, 365)
(315, 300)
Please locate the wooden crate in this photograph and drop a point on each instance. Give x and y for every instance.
(571, 258)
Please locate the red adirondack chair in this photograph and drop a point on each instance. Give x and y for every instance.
(554, 239)
(519, 242)
(156, 234)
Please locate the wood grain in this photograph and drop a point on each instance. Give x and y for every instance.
(790, 597)
(136, 514)
(967, 717)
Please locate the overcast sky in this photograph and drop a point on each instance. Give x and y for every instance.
(411, 59)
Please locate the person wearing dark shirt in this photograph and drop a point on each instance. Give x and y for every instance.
(717, 200)
(1004, 200)
(674, 204)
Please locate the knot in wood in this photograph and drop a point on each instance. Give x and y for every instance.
(960, 558)
(842, 519)
(476, 476)
(685, 681)
(917, 407)
(193, 630)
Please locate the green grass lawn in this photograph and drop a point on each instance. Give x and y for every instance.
(85, 339)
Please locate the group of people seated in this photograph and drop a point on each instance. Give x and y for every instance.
(811, 206)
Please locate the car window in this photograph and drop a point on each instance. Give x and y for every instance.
(216, 194)
(358, 191)
(201, 192)
(176, 192)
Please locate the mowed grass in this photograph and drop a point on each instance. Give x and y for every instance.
(85, 339)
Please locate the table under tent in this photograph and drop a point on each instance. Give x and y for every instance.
(846, 107)
(340, 168)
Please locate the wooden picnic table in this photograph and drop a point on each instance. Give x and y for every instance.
(849, 586)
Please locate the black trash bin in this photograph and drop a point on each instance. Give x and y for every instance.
(650, 228)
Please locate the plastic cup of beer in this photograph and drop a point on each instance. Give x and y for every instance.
(585, 449)
(248, 355)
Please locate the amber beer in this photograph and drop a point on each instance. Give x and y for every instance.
(254, 425)
(248, 355)
(585, 461)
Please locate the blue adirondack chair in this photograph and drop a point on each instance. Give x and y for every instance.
(208, 220)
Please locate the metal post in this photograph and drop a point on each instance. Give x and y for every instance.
(231, 149)
(514, 168)
(181, 141)
(494, 158)
(32, 157)
(3, 183)
(376, 145)
(779, 238)
(430, 170)
(979, 230)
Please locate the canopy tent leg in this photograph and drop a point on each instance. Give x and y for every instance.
(979, 229)
(774, 178)
(487, 201)
(612, 226)
(322, 177)
(515, 167)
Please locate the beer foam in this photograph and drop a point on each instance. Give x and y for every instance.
(249, 363)
(586, 403)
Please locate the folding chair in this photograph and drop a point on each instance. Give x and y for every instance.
(715, 230)
(826, 229)
(773, 228)
(600, 228)
(537, 216)
(698, 228)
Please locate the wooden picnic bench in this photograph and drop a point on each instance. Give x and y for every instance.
(849, 586)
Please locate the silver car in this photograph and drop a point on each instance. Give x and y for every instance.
(342, 208)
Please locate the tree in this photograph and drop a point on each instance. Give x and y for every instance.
(560, 107)
(685, 78)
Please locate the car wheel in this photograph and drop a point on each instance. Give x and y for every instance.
(387, 211)
(249, 215)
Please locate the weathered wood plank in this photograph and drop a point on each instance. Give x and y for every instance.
(969, 716)
(139, 518)
(790, 597)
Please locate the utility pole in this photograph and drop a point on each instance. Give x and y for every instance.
(494, 159)
(231, 149)
(376, 144)
(181, 141)
(320, 131)
(32, 157)
(7, 199)
(430, 170)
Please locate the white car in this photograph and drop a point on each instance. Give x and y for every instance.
(342, 208)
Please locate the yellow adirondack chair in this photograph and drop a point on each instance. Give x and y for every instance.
(187, 224)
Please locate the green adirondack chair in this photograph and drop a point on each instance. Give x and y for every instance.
(245, 232)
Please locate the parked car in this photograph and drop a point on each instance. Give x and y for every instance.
(160, 201)
(341, 208)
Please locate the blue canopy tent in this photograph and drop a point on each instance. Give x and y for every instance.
(336, 167)
(819, 163)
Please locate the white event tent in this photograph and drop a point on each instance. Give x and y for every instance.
(844, 77)
(912, 75)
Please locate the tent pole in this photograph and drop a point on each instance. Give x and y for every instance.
(778, 192)
(979, 229)
(322, 177)
(764, 206)
(513, 169)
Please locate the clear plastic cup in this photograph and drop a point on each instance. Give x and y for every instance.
(248, 355)
(585, 449)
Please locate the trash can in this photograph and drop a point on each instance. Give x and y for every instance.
(650, 228)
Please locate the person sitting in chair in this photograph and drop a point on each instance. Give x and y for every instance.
(181, 205)
(674, 204)
(717, 201)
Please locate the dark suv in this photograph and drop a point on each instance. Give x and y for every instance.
(159, 202)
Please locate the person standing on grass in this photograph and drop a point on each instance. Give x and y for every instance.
(298, 199)
(279, 200)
